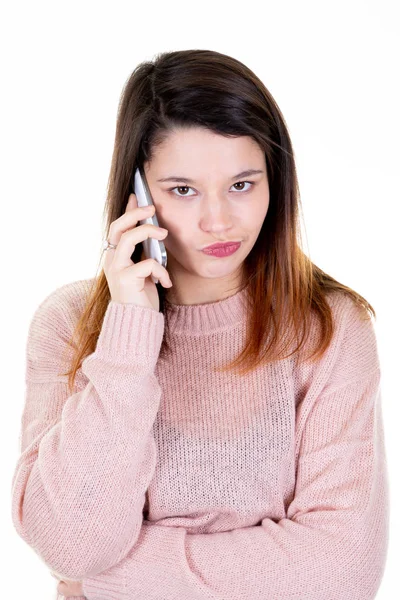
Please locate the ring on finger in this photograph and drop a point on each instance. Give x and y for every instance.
(108, 246)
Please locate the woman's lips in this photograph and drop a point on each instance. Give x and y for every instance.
(222, 250)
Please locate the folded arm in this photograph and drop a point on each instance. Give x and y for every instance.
(331, 546)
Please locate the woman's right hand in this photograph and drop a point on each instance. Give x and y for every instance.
(129, 282)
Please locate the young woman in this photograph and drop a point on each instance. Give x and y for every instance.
(218, 434)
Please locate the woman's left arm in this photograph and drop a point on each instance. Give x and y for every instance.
(332, 544)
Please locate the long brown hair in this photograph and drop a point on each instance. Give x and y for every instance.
(204, 88)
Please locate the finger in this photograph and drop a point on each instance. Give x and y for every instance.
(128, 241)
(70, 588)
(128, 220)
(132, 202)
(137, 274)
(124, 223)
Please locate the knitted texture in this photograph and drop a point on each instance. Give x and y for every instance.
(161, 479)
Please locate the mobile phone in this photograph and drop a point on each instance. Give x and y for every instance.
(152, 248)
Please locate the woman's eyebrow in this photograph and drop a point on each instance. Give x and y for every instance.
(246, 173)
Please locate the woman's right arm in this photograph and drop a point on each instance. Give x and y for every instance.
(87, 458)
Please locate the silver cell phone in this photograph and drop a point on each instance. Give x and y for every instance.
(152, 248)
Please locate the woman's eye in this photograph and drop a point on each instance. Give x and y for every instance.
(241, 183)
(185, 187)
(181, 187)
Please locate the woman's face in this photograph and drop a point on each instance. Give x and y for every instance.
(214, 206)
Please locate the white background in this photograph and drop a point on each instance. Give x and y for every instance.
(333, 70)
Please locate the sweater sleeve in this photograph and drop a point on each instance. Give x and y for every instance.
(87, 458)
(332, 545)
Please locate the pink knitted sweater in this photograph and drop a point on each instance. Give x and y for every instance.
(159, 479)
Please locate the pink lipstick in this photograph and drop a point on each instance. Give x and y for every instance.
(221, 250)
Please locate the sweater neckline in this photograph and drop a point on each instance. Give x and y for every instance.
(195, 319)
